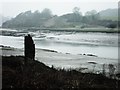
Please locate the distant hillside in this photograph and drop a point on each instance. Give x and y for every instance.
(45, 19)
(109, 14)
(3, 19)
(28, 19)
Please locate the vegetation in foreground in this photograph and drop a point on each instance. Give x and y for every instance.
(33, 74)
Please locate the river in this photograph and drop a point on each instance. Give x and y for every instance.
(99, 44)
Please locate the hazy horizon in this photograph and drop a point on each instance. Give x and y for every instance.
(11, 8)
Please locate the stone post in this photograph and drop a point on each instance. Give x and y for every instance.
(29, 47)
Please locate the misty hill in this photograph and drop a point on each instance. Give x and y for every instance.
(28, 19)
(3, 19)
(109, 14)
(46, 19)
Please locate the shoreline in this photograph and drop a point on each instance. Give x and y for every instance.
(60, 60)
(97, 30)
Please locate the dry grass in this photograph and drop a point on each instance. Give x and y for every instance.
(33, 74)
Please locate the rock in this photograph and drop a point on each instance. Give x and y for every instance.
(92, 62)
(29, 47)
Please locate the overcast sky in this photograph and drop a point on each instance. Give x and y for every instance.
(13, 7)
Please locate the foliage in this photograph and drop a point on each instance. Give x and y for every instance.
(46, 19)
(29, 19)
(34, 74)
(111, 25)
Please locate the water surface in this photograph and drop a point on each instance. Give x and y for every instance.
(100, 44)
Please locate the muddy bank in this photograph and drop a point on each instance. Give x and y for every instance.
(59, 60)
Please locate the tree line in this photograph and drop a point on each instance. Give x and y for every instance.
(47, 19)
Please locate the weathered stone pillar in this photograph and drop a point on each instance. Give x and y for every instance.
(29, 47)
